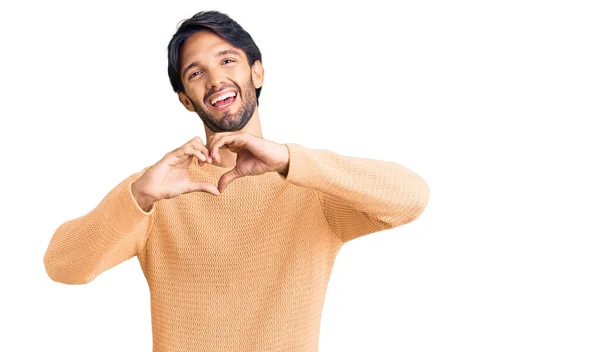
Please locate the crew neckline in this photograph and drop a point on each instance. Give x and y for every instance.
(215, 170)
(212, 167)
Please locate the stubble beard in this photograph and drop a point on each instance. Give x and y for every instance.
(229, 122)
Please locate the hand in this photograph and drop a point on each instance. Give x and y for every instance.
(255, 155)
(169, 177)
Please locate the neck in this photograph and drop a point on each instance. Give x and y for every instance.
(227, 156)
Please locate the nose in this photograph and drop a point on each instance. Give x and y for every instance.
(214, 79)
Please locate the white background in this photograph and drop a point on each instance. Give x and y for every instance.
(494, 104)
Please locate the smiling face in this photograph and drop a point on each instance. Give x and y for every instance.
(219, 84)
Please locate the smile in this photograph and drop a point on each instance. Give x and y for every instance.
(223, 101)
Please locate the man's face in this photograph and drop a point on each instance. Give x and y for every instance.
(212, 69)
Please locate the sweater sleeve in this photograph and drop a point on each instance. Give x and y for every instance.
(114, 231)
(359, 196)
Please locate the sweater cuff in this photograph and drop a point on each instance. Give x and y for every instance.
(304, 169)
(122, 212)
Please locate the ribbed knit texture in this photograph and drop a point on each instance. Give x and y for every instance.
(246, 270)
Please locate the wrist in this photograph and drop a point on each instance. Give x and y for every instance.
(284, 171)
(285, 163)
(144, 202)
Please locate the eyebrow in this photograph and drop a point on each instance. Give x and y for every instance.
(220, 53)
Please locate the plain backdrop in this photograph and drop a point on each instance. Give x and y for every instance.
(493, 103)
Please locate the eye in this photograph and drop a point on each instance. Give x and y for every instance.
(232, 60)
(194, 74)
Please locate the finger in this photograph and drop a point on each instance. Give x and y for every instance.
(203, 187)
(185, 155)
(212, 142)
(181, 157)
(214, 139)
(190, 150)
(196, 139)
(197, 144)
(227, 177)
(178, 150)
(222, 141)
(201, 156)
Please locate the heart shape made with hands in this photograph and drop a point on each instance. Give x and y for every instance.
(255, 155)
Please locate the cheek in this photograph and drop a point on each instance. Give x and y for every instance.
(241, 75)
(195, 94)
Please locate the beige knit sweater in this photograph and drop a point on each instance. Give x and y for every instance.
(246, 270)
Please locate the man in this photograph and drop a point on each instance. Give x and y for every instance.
(236, 238)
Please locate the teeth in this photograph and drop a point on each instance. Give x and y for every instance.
(222, 96)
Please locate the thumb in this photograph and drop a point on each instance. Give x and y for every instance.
(227, 177)
(203, 187)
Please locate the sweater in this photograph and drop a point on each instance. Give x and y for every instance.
(246, 270)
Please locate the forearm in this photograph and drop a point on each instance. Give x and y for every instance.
(359, 195)
(112, 232)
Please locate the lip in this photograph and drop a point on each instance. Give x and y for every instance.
(222, 108)
(219, 93)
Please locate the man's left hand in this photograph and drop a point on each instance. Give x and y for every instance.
(255, 155)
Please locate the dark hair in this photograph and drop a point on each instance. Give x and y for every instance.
(223, 26)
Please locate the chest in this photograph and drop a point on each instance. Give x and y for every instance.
(203, 238)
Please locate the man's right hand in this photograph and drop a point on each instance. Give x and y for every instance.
(169, 177)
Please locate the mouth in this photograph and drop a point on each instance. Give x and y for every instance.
(223, 100)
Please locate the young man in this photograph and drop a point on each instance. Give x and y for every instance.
(234, 263)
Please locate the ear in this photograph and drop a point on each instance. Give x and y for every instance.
(183, 98)
(257, 74)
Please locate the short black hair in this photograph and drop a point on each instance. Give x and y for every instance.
(220, 24)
